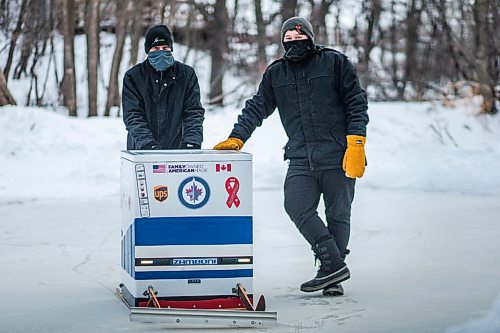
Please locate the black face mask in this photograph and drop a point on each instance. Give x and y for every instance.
(298, 50)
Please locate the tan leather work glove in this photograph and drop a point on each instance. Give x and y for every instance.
(229, 144)
(354, 158)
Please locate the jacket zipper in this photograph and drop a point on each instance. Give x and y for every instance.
(309, 156)
(158, 103)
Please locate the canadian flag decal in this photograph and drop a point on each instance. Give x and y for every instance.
(223, 167)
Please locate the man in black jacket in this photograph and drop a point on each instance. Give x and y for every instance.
(323, 110)
(161, 99)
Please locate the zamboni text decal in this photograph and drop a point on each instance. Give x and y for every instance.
(194, 261)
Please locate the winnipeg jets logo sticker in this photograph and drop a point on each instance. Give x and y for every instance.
(194, 192)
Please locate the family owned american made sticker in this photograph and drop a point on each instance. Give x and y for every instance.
(186, 168)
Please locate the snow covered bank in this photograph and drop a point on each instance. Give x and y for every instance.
(423, 147)
(432, 148)
(47, 155)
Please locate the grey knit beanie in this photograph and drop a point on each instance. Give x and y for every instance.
(298, 23)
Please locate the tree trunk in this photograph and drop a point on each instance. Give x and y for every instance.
(68, 84)
(162, 7)
(92, 32)
(13, 40)
(412, 67)
(5, 96)
(481, 60)
(396, 81)
(26, 48)
(288, 9)
(171, 18)
(218, 40)
(235, 17)
(137, 31)
(318, 20)
(338, 32)
(442, 10)
(261, 37)
(113, 98)
(373, 12)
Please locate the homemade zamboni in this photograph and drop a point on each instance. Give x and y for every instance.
(186, 238)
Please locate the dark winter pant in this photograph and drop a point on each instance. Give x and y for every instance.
(303, 189)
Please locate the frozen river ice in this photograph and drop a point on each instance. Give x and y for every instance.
(420, 262)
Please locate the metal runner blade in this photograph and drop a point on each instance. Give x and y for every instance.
(218, 318)
(201, 318)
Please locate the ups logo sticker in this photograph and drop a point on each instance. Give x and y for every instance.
(161, 193)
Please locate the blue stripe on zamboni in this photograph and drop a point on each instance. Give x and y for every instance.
(208, 274)
(196, 230)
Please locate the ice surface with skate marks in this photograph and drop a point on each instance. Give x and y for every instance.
(69, 266)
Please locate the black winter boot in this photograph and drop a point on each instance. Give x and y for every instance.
(333, 290)
(332, 268)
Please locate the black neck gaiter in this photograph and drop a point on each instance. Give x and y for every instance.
(298, 50)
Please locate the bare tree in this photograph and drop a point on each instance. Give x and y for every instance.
(162, 5)
(373, 10)
(4, 11)
(26, 47)
(481, 10)
(319, 10)
(288, 9)
(15, 36)
(261, 36)
(412, 67)
(157, 11)
(113, 98)
(5, 96)
(137, 30)
(236, 4)
(427, 45)
(218, 46)
(338, 32)
(92, 32)
(394, 47)
(68, 84)
(454, 48)
(173, 9)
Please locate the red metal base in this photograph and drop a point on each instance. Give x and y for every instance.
(216, 303)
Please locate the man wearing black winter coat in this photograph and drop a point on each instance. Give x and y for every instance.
(161, 99)
(323, 110)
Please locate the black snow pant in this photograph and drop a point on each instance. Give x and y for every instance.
(303, 189)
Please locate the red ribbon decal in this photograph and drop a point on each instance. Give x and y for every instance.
(232, 188)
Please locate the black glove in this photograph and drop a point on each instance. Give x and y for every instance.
(190, 146)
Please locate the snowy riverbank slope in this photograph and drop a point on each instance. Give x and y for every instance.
(422, 147)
